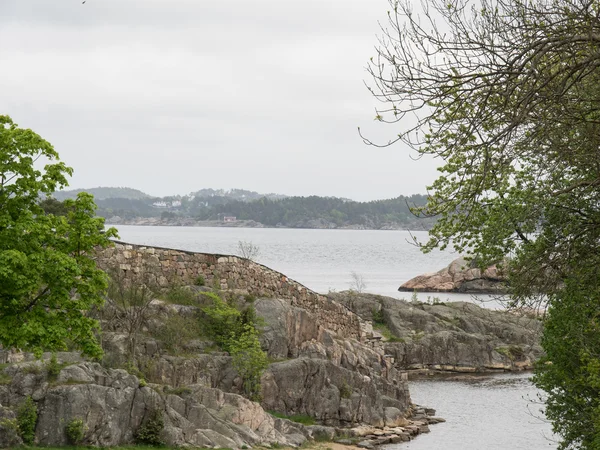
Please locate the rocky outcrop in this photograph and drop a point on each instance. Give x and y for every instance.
(113, 405)
(460, 276)
(340, 382)
(452, 336)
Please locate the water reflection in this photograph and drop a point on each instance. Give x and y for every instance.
(491, 412)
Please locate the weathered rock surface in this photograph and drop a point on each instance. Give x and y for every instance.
(459, 276)
(331, 394)
(9, 437)
(453, 336)
(113, 405)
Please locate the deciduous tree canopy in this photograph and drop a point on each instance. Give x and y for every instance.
(506, 93)
(48, 279)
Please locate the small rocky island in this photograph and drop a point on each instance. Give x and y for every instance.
(460, 275)
(338, 365)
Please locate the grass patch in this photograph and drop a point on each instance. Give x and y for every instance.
(178, 391)
(345, 390)
(386, 333)
(512, 352)
(200, 281)
(180, 295)
(34, 369)
(5, 379)
(304, 419)
(178, 330)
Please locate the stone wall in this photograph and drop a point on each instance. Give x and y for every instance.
(164, 266)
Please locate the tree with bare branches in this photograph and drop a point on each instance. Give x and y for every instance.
(506, 93)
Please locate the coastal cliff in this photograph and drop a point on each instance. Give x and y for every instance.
(326, 362)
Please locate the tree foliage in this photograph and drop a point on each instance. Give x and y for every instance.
(506, 93)
(236, 331)
(289, 212)
(570, 370)
(48, 278)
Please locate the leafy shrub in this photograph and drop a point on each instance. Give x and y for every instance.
(236, 332)
(149, 433)
(178, 330)
(75, 431)
(249, 360)
(180, 295)
(223, 321)
(34, 369)
(345, 390)
(200, 281)
(53, 367)
(377, 315)
(26, 420)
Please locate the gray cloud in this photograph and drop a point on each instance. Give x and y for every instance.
(172, 96)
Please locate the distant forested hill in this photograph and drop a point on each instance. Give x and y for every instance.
(101, 193)
(268, 209)
(301, 212)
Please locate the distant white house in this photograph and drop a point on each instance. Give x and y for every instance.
(229, 219)
(160, 204)
(175, 203)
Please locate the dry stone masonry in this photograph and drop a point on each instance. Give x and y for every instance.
(164, 266)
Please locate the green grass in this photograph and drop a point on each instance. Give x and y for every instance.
(178, 391)
(304, 419)
(180, 295)
(386, 332)
(5, 379)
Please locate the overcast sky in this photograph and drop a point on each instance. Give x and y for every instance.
(171, 96)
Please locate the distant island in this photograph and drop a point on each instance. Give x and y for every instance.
(243, 208)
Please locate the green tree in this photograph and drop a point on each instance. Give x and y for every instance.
(52, 206)
(236, 332)
(249, 360)
(506, 93)
(48, 277)
(570, 370)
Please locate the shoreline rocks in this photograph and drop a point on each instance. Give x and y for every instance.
(459, 276)
(457, 337)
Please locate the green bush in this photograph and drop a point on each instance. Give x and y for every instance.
(75, 431)
(249, 360)
(53, 367)
(345, 390)
(223, 322)
(26, 420)
(200, 281)
(236, 332)
(149, 433)
(178, 330)
(180, 295)
(377, 315)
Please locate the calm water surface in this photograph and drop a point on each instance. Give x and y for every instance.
(498, 412)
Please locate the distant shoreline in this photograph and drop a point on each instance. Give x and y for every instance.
(157, 222)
